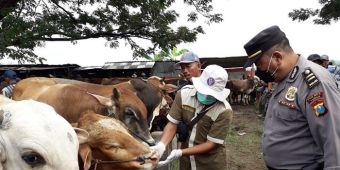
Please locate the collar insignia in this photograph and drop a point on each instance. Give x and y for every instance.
(294, 73)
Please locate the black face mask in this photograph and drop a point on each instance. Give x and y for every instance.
(266, 76)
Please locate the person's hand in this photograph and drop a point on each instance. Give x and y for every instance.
(159, 148)
(175, 154)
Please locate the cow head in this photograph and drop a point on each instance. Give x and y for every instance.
(34, 136)
(109, 140)
(133, 113)
(166, 91)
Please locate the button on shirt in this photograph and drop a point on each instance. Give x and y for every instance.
(302, 121)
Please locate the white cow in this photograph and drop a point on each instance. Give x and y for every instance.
(34, 137)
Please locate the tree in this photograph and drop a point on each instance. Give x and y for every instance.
(6, 6)
(33, 22)
(166, 55)
(329, 12)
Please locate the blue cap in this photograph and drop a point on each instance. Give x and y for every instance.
(189, 57)
(9, 74)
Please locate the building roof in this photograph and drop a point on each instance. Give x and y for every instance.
(128, 65)
(225, 62)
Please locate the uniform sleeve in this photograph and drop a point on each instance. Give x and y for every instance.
(175, 111)
(323, 116)
(220, 127)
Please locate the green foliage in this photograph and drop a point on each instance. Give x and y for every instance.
(329, 12)
(166, 55)
(33, 22)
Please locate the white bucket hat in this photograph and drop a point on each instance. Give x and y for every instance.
(212, 82)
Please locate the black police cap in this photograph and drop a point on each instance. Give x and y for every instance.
(314, 57)
(262, 42)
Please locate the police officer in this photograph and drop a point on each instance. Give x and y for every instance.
(301, 127)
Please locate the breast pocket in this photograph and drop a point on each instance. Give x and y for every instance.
(287, 115)
(285, 119)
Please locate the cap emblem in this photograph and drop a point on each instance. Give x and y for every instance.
(210, 81)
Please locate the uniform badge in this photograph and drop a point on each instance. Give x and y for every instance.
(290, 95)
(320, 109)
(317, 102)
(310, 78)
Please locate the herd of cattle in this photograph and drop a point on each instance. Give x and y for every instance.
(106, 127)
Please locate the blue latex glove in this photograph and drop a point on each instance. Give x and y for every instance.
(175, 154)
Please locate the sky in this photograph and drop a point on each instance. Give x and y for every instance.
(243, 19)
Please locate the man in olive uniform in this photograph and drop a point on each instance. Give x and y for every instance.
(204, 148)
(301, 128)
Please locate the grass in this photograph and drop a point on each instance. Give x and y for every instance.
(244, 151)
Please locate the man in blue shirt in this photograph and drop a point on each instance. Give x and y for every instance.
(10, 79)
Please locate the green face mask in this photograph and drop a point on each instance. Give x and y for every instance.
(205, 99)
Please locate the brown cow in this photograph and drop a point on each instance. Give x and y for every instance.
(242, 87)
(110, 146)
(152, 92)
(71, 101)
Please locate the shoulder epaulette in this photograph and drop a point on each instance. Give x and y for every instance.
(310, 78)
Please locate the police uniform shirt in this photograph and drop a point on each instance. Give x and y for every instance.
(213, 126)
(302, 125)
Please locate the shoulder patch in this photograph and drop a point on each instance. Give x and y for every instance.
(310, 78)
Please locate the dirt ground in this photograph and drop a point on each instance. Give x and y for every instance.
(244, 140)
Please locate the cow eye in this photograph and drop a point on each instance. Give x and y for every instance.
(130, 113)
(111, 146)
(33, 159)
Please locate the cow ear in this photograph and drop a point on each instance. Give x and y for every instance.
(170, 88)
(82, 135)
(103, 100)
(115, 93)
(85, 155)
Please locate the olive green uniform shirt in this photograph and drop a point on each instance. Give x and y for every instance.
(213, 126)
